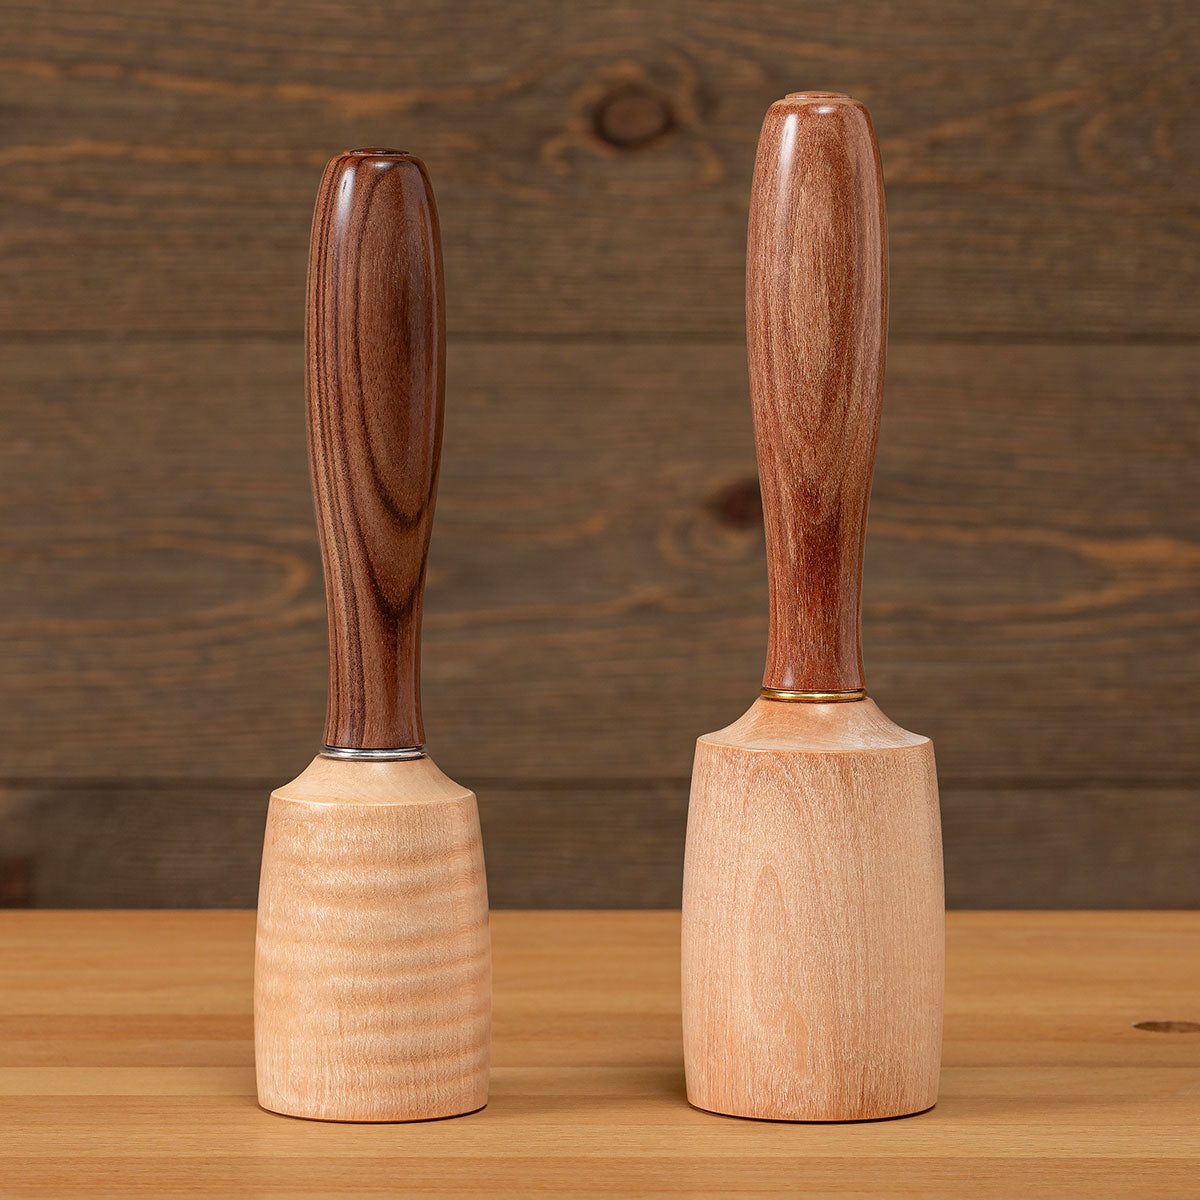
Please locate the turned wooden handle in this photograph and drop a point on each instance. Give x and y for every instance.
(816, 328)
(375, 341)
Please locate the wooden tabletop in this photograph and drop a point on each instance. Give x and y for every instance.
(126, 1069)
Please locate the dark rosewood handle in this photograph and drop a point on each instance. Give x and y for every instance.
(375, 341)
(816, 328)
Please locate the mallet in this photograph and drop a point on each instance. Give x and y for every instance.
(372, 967)
(813, 907)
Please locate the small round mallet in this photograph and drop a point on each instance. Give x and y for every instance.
(372, 966)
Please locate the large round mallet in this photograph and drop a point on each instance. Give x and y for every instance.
(813, 907)
(372, 970)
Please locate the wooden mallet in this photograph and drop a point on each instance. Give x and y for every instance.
(372, 967)
(813, 908)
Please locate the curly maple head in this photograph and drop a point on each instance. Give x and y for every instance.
(816, 327)
(372, 974)
(375, 339)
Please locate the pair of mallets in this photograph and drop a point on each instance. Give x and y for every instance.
(813, 904)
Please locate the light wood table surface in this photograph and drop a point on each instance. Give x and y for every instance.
(126, 1069)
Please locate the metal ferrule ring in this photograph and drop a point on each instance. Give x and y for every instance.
(796, 697)
(395, 754)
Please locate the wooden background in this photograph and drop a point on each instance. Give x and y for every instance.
(597, 592)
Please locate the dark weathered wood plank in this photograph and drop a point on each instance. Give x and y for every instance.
(596, 595)
(592, 169)
(579, 844)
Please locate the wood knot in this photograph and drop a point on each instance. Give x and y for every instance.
(633, 117)
(16, 882)
(738, 505)
(1168, 1026)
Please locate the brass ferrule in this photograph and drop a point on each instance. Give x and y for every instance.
(813, 697)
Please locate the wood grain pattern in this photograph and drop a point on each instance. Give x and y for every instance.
(160, 591)
(816, 338)
(590, 844)
(1049, 197)
(126, 1070)
(372, 978)
(375, 380)
(170, 579)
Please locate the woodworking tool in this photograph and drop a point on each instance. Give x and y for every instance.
(813, 905)
(372, 965)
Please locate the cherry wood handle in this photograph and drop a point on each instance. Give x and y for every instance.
(816, 329)
(375, 342)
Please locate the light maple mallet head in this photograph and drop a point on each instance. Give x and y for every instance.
(372, 966)
(813, 907)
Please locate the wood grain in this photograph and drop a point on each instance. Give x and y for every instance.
(589, 844)
(158, 179)
(122, 1035)
(375, 379)
(160, 590)
(169, 579)
(816, 339)
(372, 980)
(141, 597)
